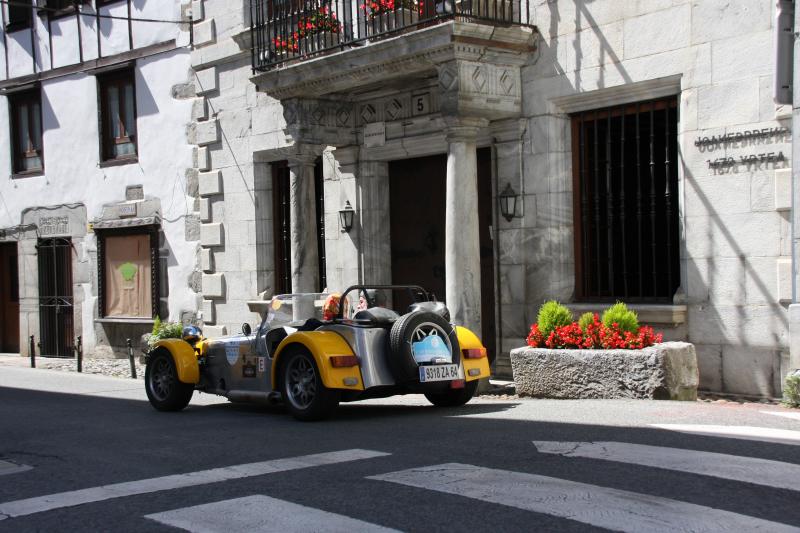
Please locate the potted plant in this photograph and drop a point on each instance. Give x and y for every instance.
(285, 46)
(317, 30)
(612, 356)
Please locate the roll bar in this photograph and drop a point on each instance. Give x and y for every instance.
(413, 291)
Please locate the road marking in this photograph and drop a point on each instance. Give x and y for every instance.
(131, 488)
(734, 467)
(793, 416)
(782, 436)
(615, 509)
(7, 467)
(261, 513)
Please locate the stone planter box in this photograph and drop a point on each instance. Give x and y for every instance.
(666, 371)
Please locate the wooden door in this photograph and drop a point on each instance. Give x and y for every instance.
(417, 221)
(9, 298)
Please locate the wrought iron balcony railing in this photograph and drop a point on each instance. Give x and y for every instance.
(283, 30)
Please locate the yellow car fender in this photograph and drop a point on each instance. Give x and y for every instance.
(322, 345)
(473, 368)
(184, 357)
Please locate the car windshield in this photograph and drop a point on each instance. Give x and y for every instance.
(294, 309)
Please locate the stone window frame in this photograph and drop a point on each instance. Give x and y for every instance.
(29, 98)
(633, 92)
(118, 79)
(155, 270)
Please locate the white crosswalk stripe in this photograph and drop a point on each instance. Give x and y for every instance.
(7, 467)
(119, 490)
(781, 436)
(589, 504)
(261, 513)
(733, 467)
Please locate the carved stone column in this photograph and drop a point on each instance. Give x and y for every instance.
(302, 223)
(462, 238)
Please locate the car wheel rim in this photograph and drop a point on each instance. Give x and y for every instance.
(162, 379)
(301, 383)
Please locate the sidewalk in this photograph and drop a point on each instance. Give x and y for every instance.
(118, 368)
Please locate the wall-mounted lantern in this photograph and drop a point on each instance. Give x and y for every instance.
(346, 217)
(508, 202)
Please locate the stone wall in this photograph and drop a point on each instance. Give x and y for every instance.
(735, 277)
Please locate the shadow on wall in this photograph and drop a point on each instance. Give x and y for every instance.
(605, 48)
(739, 278)
(49, 119)
(145, 102)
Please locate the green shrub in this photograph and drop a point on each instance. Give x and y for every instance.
(623, 317)
(552, 315)
(585, 319)
(164, 330)
(791, 390)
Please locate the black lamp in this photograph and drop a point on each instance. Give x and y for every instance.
(346, 217)
(508, 202)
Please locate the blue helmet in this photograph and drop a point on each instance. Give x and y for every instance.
(192, 333)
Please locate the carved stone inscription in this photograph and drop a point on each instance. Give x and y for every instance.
(766, 158)
(53, 226)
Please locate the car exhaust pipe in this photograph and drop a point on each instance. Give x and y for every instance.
(269, 398)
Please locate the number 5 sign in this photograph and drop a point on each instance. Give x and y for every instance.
(421, 104)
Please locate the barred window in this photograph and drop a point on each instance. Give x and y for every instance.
(625, 178)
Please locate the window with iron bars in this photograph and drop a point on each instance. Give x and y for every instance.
(625, 202)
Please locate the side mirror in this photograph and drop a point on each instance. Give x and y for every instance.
(246, 329)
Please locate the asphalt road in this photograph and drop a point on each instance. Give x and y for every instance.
(87, 453)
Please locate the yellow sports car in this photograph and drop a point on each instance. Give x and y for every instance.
(313, 351)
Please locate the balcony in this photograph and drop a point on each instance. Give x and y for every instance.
(285, 31)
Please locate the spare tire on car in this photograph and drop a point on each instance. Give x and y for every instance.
(416, 327)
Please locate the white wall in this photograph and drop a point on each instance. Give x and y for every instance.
(735, 225)
(72, 172)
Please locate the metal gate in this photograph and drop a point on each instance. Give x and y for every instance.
(55, 296)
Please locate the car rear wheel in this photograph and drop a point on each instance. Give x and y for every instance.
(411, 328)
(304, 394)
(453, 397)
(164, 390)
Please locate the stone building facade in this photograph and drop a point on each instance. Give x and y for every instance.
(98, 224)
(638, 143)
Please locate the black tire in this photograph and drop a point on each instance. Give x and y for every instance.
(401, 359)
(304, 394)
(161, 383)
(454, 397)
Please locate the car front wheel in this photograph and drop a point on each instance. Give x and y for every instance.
(164, 390)
(454, 397)
(304, 394)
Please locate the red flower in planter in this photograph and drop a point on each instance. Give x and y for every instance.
(535, 337)
(596, 335)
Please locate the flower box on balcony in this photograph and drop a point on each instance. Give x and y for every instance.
(314, 42)
(391, 20)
